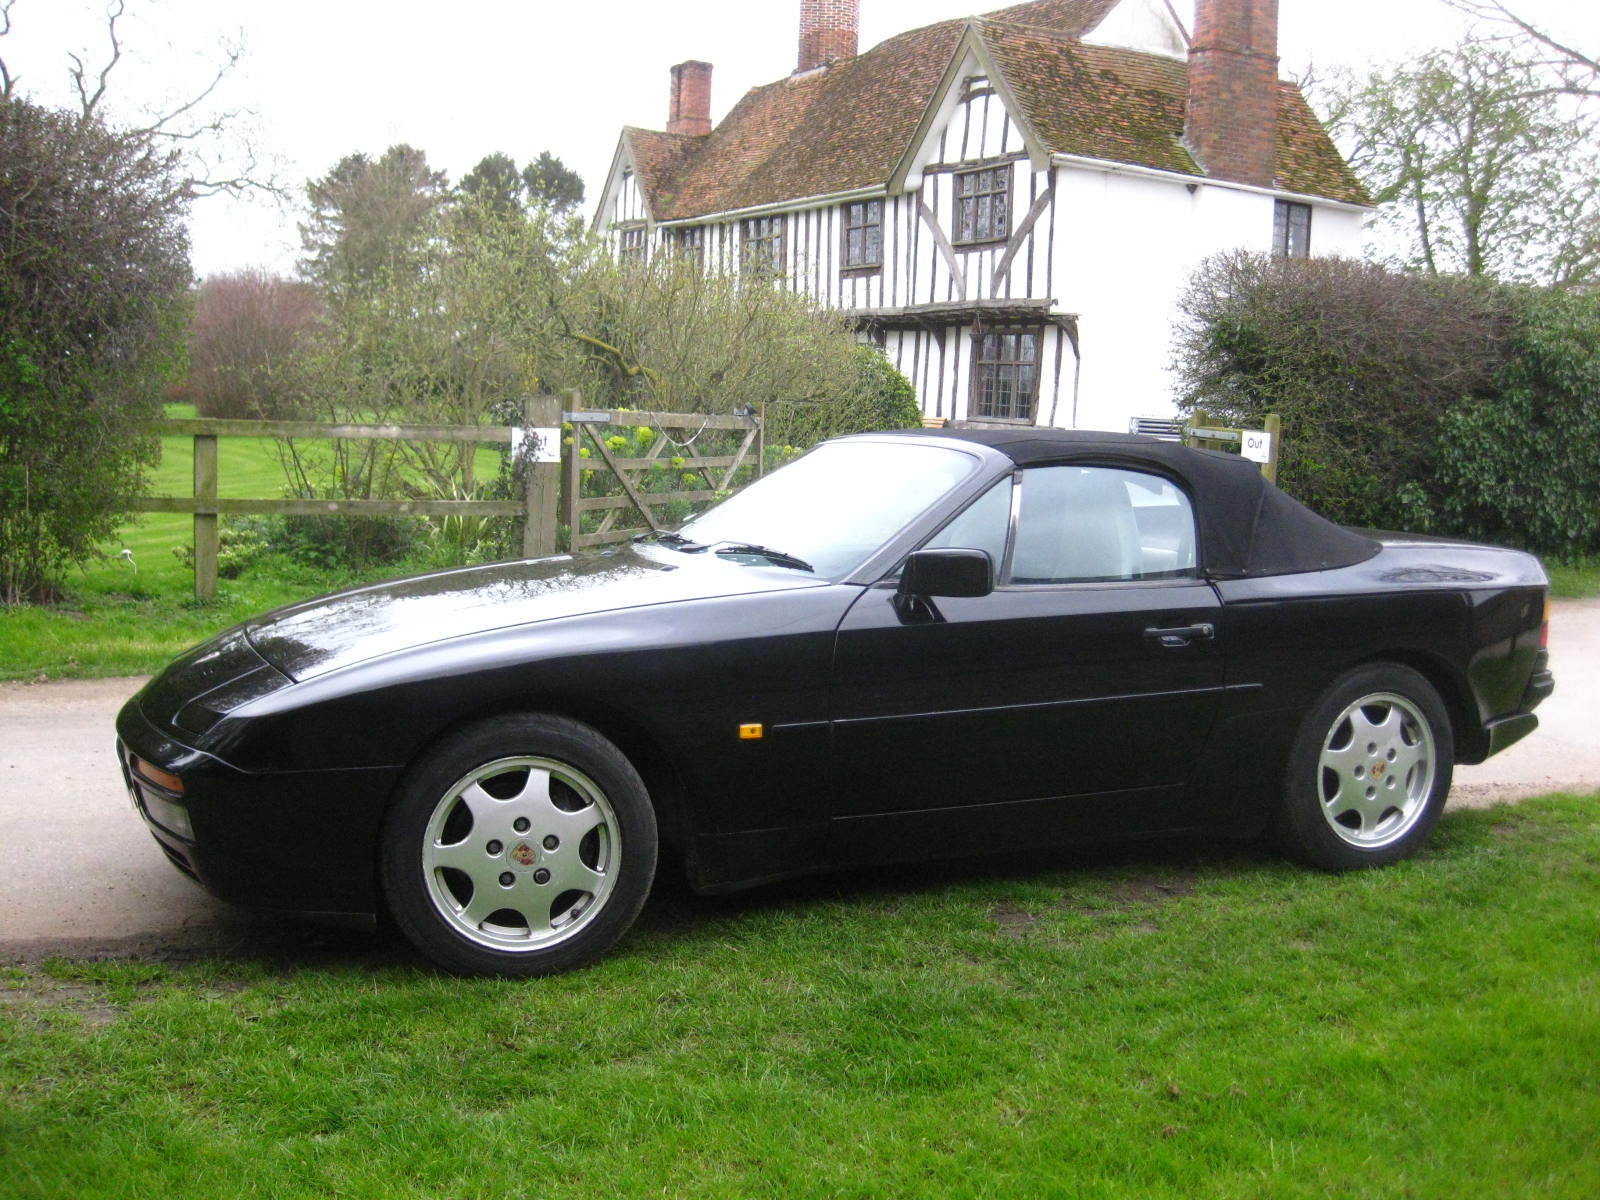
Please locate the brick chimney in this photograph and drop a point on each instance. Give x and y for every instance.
(1232, 120)
(690, 109)
(828, 31)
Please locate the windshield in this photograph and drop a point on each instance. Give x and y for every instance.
(830, 510)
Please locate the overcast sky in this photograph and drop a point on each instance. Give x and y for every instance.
(463, 79)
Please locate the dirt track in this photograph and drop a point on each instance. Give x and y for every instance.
(83, 878)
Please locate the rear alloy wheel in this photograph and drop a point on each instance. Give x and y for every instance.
(520, 846)
(1370, 770)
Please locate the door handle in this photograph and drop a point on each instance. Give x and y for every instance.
(1177, 637)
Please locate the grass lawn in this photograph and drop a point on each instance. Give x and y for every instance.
(125, 618)
(1577, 581)
(1155, 1022)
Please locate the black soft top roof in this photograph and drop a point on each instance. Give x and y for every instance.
(1246, 525)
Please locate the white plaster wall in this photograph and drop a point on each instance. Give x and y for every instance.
(1125, 248)
(1141, 25)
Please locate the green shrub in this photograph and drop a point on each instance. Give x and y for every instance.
(1360, 361)
(879, 397)
(338, 540)
(1522, 464)
(242, 542)
(94, 276)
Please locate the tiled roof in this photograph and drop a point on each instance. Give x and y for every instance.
(1071, 17)
(848, 126)
(1307, 159)
(658, 157)
(1096, 101)
(810, 135)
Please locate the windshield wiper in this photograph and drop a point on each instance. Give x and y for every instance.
(687, 546)
(776, 557)
(676, 540)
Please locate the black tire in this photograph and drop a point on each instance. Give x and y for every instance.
(522, 845)
(1369, 771)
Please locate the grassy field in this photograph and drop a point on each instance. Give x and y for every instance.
(1157, 1022)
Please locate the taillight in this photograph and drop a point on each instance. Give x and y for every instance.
(1544, 630)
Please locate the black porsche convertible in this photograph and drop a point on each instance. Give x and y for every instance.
(900, 646)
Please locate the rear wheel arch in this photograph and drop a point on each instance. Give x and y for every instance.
(1465, 726)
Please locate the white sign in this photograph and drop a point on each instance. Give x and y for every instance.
(541, 444)
(1256, 446)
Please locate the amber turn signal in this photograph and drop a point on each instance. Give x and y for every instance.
(154, 774)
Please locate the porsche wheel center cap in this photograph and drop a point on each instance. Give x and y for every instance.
(524, 854)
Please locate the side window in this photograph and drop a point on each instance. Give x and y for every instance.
(982, 525)
(1100, 524)
(1291, 229)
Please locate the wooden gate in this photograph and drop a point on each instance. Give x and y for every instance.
(677, 453)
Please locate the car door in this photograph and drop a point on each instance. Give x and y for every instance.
(1070, 701)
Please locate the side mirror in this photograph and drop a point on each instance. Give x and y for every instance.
(956, 573)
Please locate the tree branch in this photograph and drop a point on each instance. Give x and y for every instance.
(79, 72)
(8, 81)
(159, 126)
(1567, 56)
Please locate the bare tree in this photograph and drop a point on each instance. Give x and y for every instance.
(8, 82)
(248, 342)
(1576, 71)
(215, 146)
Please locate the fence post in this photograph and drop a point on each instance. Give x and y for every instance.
(542, 419)
(572, 465)
(761, 442)
(1273, 424)
(205, 523)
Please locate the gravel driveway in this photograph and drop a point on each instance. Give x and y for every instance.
(83, 878)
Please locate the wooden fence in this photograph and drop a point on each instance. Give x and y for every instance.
(539, 440)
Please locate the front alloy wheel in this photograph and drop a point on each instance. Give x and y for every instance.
(523, 845)
(519, 853)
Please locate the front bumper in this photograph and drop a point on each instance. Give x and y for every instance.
(295, 842)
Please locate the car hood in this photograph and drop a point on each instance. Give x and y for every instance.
(322, 635)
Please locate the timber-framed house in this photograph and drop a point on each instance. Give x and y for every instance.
(1008, 204)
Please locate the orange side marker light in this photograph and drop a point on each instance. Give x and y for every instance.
(752, 733)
